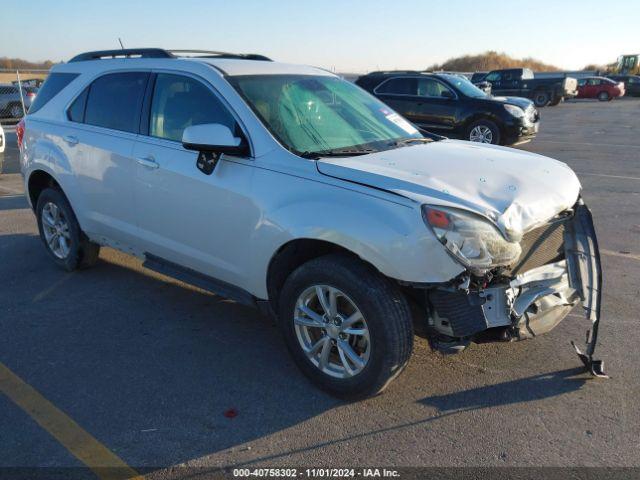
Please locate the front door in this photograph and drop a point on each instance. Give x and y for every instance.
(203, 222)
(437, 105)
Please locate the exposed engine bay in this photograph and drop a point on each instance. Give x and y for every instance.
(557, 269)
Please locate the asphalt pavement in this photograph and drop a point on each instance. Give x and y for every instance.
(161, 374)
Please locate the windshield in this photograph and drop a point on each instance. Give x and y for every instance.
(323, 115)
(465, 86)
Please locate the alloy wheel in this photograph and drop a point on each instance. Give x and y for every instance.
(332, 331)
(481, 134)
(56, 230)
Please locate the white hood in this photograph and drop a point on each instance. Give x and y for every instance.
(515, 189)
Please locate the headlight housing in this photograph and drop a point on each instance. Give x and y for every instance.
(474, 241)
(513, 110)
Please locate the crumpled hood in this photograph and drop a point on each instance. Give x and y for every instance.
(517, 190)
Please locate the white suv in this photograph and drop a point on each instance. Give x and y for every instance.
(288, 188)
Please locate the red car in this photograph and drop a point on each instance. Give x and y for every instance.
(604, 89)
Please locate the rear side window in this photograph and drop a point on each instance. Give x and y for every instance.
(115, 101)
(399, 86)
(76, 110)
(51, 87)
(179, 102)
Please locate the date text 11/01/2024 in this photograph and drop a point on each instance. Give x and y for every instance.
(316, 473)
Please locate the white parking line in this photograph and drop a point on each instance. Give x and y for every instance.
(622, 145)
(631, 256)
(608, 176)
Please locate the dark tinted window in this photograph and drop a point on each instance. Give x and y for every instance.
(115, 100)
(493, 77)
(76, 110)
(399, 86)
(179, 102)
(429, 87)
(51, 87)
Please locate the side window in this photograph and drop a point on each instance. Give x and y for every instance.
(179, 102)
(594, 81)
(634, 80)
(399, 86)
(582, 82)
(428, 87)
(115, 100)
(75, 113)
(493, 77)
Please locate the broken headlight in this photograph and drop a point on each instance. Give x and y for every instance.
(474, 241)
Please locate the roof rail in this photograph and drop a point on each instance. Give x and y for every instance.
(123, 52)
(216, 54)
(385, 72)
(161, 53)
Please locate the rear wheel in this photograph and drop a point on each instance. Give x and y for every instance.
(348, 328)
(60, 232)
(483, 131)
(555, 101)
(541, 98)
(604, 96)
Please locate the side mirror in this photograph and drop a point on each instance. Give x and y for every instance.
(212, 137)
(447, 94)
(212, 140)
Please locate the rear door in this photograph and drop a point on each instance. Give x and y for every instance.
(100, 145)
(199, 221)
(400, 93)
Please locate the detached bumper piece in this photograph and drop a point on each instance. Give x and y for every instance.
(585, 276)
(559, 269)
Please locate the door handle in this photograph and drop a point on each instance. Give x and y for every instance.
(71, 140)
(148, 162)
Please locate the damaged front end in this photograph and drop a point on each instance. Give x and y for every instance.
(557, 268)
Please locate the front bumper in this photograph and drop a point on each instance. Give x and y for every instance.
(522, 129)
(531, 303)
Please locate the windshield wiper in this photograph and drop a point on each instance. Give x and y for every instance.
(338, 152)
(406, 141)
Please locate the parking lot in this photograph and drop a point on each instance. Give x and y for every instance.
(156, 373)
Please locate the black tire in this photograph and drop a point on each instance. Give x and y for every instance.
(541, 98)
(382, 304)
(555, 101)
(604, 96)
(495, 131)
(82, 252)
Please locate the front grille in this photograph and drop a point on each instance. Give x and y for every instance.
(541, 246)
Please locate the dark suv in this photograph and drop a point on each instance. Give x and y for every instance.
(451, 105)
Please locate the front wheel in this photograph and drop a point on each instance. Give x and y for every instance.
(483, 131)
(604, 96)
(348, 328)
(60, 232)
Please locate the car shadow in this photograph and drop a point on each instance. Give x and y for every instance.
(161, 372)
(158, 371)
(529, 389)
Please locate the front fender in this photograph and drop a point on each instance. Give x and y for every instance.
(390, 236)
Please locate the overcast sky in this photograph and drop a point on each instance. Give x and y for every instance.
(347, 36)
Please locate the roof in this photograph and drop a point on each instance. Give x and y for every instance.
(234, 67)
(231, 64)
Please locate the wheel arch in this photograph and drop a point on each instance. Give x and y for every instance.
(37, 182)
(295, 253)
